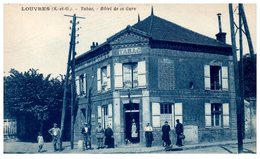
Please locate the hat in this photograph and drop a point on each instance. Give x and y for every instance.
(166, 122)
(85, 123)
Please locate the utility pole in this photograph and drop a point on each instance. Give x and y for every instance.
(70, 68)
(247, 33)
(240, 21)
(237, 88)
(239, 75)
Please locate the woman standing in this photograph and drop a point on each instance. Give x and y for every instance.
(134, 134)
(166, 134)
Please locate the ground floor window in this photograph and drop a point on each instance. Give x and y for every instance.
(105, 115)
(162, 112)
(216, 115)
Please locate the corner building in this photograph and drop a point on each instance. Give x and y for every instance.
(157, 71)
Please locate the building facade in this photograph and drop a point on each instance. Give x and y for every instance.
(157, 71)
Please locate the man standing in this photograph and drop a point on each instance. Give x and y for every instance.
(148, 135)
(100, 136)
(179, 131)
(86, 134)
(166, 136)
(56, 137)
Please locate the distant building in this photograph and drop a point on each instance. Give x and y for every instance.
(157, 71)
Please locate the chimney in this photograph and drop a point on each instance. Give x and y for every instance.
(92, 46)
(221, 36)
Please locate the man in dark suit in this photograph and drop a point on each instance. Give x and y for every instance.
(179, 132)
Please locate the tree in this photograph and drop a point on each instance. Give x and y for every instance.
(34, 98)
(249, 76)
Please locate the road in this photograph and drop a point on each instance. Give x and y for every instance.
(30, 148)
(227, 149)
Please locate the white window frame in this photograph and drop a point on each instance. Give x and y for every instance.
(118, 76)
(224, 116)
(223, 74)
(158, 119)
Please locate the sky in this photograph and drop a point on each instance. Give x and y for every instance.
(40, 39)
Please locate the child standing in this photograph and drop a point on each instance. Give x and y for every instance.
(40, 141)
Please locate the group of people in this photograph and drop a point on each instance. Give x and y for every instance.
(100, 135)
(107, 133)
(165, 134)
(104, 133)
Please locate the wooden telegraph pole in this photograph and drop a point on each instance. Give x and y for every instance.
(70, 72)
(237, 88)
(239, 75)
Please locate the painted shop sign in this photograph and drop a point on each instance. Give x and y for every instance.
(129, 51)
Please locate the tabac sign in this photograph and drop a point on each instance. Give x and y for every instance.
(130, 51)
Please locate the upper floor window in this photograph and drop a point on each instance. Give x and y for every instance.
(215, 77)
(103, 78)
(130, 75)
(81, 84)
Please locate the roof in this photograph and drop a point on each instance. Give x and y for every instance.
(158, 29)
(163, 30)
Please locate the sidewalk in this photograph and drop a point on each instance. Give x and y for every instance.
(22, 147)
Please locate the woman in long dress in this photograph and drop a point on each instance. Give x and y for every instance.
(134, 133)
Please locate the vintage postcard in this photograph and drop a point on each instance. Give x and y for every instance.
(129, 78)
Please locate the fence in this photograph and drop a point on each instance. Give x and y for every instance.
(10, 128)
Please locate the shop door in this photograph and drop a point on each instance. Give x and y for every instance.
(132, 122)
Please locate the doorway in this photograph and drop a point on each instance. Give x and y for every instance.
(132, 122)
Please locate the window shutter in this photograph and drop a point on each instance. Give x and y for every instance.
(156, 115)
(85, 84)
(207, 77)
(98, 79)
(225, 115)
(118, 75)
(224, 78)
(141, 74)
(99, 114)
(108, 77)
(178, 112)
(77, 85)
(207, 114)
(110, 115)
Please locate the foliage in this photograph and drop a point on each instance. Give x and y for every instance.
(30, 94)
(249, 76)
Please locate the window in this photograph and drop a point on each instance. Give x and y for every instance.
(105, 115)
(166, 108)
(130, 76)
(216, 77)
(217, 115)
(103, 78)
(215, 82)
(162, 112)
(81, 85)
